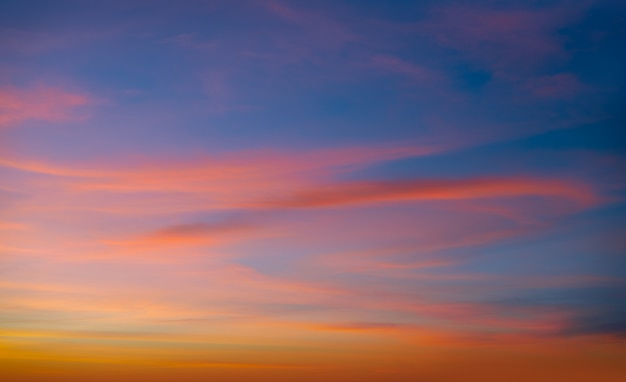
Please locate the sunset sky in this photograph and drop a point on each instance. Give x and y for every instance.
(328, 190)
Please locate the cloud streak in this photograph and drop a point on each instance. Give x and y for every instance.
(424, 190)
(41, 103)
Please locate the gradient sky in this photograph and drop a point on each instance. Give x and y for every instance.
(345, 190)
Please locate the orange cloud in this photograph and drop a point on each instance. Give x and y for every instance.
(41, 103)
(10, 226)
(195, 233)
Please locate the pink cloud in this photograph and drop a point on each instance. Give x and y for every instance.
(562, 85)
(420, 190)
(261, 185)
(41, 103)
(318, 25)
(192, 41)
(310, 37)
(242, 173)
(396, 65)
(230, 164)
(189, 234)
(221, 97)
(502, 38)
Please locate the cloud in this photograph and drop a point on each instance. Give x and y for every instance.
(610, 321)
(11, 226)
(596, 310)
(194, 233)
(264, 188)
(192, 41)
(166, 185)
(231, 164)
(421, 190)
(219, 293)
(396, 65)
(41, 103)
(306, 36)
(503, 39)
(584, 305)
(221, 98)
(562, 85)
(321, 30)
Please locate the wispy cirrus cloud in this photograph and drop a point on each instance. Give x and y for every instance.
(416, 190)
(219, 182)
(203, 234)
(259, 187)
(507, 40)
(415, 72)
(42, 103)
(321, 29)
(562, 85)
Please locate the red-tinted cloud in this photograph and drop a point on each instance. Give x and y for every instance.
(42, 103)
(420, 190)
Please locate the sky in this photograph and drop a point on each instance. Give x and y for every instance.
(345, 190)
